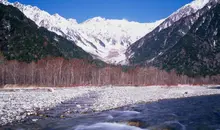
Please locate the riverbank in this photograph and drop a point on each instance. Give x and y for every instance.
(18, 103)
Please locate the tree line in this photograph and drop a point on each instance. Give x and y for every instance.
(55, 72)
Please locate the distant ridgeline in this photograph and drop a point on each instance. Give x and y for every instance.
(30, 55)
(22, 40)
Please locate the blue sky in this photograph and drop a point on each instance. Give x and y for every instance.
(132, 10)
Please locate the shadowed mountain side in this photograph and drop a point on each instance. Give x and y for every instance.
(189, 46)
(21, 39)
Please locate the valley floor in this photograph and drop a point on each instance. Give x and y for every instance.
(18, 103)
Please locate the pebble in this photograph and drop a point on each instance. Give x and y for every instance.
(28, 101)
(50, 90)
(16, 103)
(34, 120)
(78, 106)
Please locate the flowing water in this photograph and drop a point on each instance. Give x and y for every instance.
(195, 113)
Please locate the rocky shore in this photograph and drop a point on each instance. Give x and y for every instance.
(18, 103)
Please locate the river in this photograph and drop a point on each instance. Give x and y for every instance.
(194, 113)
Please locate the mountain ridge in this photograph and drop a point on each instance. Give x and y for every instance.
(106, 39)
(198, 52)
(21, 39)
(110, 40)
(187, 46)
(136, 49)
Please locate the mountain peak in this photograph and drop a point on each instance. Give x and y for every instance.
(198, 4)
(17, 4)
(184, 11)
(74, 21)
(5, 2)
(95, 19)
(192, 7)
(106, 39)
(56, 15)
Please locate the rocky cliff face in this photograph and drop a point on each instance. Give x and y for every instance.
(189, 46)
(198, 52)
(157, 41)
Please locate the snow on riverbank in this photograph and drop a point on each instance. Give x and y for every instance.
(19, 103)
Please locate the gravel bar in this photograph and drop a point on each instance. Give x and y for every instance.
(16, 104)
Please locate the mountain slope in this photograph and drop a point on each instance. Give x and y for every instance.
(186, 10)
(190, 46)
(21, 39)
(163, 37)
(198, 52)
(105, 39)
(167, 34)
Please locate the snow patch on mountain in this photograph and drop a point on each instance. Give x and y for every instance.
(5, 2)
(184, 11)
(105, 39)
(187, 10)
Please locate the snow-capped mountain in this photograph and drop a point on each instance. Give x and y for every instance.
(184, 11)
(105, 39)
(113, 37)
(190, 46)
(198, 51)
(138, 49)
(21, 39)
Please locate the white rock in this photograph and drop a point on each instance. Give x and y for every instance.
(34, 120)
(51, 90)
(107, 98)
(78, 106)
